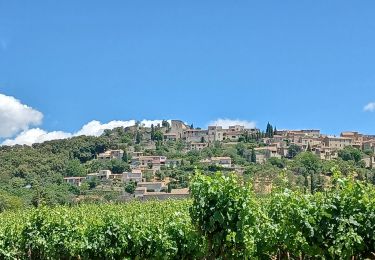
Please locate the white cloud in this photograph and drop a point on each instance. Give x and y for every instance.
(148, 123)
(36, 135)
(225, 123)
(370, 107)
(96, 128)
(16, 117)
(93, 128)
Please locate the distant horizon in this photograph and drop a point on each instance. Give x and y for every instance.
(22, 124)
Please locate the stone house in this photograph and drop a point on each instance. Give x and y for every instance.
(357, 138)
(195, 135)
(152, 186)
(197, 146)
(336, 142)
(111, 154)
(170, 137)
(178, 127)
(135, 175)
(225, 162)
(264, 153)
(102, 175)
(76, 181)
(215, 133)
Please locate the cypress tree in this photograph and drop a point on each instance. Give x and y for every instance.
(269, 130)
(152, 132)
(253, 158)
(306, 182)
(138, 137)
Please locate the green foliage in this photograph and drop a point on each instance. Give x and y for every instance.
(75, 169)
(269, 131)
(102, 232)
(224, 220)
(225, 213)
(253, 157)
(158, 136)
(138, 137)
(193, 156)
(130, 187)
(117, 166)
(338, 224)
(9, 202)
(350, 153)
(310, 166)
(293, 150)
(114, 165)
(166, 125)
(280, 163)
(125, 157)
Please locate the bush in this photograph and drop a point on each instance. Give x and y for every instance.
(9, 202)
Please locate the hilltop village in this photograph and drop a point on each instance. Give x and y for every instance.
(158, 156)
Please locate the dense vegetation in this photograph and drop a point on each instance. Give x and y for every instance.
(144, 230)
(224, 220)
(33, 176)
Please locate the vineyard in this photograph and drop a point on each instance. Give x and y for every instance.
(223, 220)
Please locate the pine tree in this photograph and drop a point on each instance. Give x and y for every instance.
(274, 131)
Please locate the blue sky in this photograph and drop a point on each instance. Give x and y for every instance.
(297, 64)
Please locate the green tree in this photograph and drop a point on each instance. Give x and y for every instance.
(130, 187)
(158, 136)
(350, 153)
(152, 132)
(148, 176)
(311, 165)
(9, 202)
(138, 138)
(193, 156)
(293, 150)
(280, 163)
(75, 169)
(240, 147)
(125, 157)
(166, 125)
(253, 157)
(84, 188)
(118, 166)
(269, 131)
